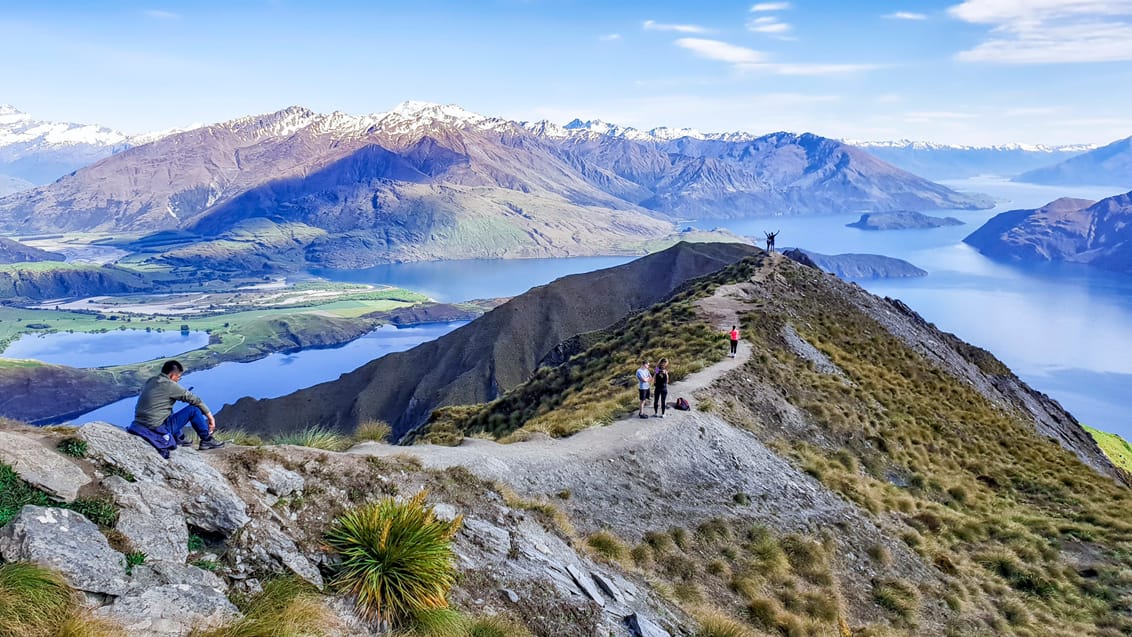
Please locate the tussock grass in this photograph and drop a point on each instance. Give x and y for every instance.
(287, 607)
(74, 447)
(606, 544)
(36, 602)
(316, 438)
(373, 430)
(240, 437)
(495, 627)
(549, 512)
(715, 623)
(396, 558)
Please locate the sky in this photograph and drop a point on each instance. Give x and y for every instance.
(959, 72)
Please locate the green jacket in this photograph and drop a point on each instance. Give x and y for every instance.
(157, 398)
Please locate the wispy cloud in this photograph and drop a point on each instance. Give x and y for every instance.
(1049, 31)
(162, 15)
(609, 37)
(745, 59)
(769, 25)
(905, 15)
(770, 6)
(651, 25)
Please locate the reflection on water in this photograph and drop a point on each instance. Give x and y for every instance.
(281, 374)
(118, 347)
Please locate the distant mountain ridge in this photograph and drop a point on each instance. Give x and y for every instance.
(1109, 165)
(947, 161)
(436, 181)
(1075, 230)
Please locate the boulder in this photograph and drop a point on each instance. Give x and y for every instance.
(643, 627)
(586, 584)
(281, 482)
(205, 496)
(161, 572)
(67, 542)
(269, 548)
(170, 610)
(42, 467)
(151, 518)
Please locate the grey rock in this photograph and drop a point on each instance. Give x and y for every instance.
(268, 547)
(445, 512)
(511, 595)
(67, 542)
(161, 573)
(586, 584)
(487, 535)
(282, 482)
(643, 627)
(170, 610)
(607, 585)
(42, 467)
(205, 496)
(151, 518)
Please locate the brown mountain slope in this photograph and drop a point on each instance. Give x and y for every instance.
(489, 356)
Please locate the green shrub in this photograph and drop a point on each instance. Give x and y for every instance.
(287, 607)
(316, 438)
(101, 511)
(15, 493)
(375, 430)
(73, 447)
(396, 558)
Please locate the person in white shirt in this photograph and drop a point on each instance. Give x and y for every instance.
(644, 380)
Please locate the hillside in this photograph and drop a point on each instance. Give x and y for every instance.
(901, 220)
(859, 266)
(490, 355)
(854, 471)
(1109, 165)
(1073, 230)
(1116, 448)
(15, 252)
(425, 181)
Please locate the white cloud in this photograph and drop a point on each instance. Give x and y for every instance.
(610, 37)
(745, 59)
(162, 15)
(651, 25)
(1049, 31)
(771, 27)
(770, 6)
(905, 15)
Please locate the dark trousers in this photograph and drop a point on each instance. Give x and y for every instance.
(734, 346)
(661, 395)
(190, 415)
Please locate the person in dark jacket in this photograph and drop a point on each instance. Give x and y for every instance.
(155, 421)
(660, 388)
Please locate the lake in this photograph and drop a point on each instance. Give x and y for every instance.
(281, 374)
(115, 347)
(1062, 328)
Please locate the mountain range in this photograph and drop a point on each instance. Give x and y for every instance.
(944, 161)
(430, 181)
(1109, 165)
(1076, 230)
(34, 152)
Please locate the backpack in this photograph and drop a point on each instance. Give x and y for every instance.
(682, 404)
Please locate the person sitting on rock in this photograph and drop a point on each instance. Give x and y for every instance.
(155, 421)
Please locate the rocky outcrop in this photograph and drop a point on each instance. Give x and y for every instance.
(44, 469)
(151, 517)
(901, 220)
(1071, 230)
(68, 543)
(166, 598)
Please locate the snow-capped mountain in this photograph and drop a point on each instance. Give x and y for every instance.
(1109, 165)
(950, 161)
(427, 180)
(38, 152)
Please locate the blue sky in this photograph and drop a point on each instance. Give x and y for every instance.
(973, 71)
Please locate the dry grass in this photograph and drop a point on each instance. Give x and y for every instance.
(36, 602)
(286, 607)
(373, 430)
(607, 545)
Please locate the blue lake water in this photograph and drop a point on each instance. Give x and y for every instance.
(281, 374)
(116, 347)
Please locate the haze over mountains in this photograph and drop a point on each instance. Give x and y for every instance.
(945, 161)
(430, 181)
(1109, 165)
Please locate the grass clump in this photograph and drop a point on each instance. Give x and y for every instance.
(495, 627)
(396, 558)
(715, 623)
(287, 607)
(102, 511)
(240, 437)
(74, 447)
(606, 544)
(36, 602)
(15, 493)
(896, 596)
(317, 437)
(134, 558)
(373, 430)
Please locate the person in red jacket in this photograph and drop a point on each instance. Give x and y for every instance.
(734, 340)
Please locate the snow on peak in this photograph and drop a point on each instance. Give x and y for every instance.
(920, 145)
(22, 134)
(413, 115)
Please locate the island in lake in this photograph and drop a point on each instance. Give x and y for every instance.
(901, 220)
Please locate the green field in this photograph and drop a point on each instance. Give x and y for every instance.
(1116, 448)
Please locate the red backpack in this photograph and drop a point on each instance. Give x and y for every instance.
(682, 404)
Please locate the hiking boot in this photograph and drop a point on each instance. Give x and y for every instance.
(211, 443)
(645, 416)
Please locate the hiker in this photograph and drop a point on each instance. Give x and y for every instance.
(734, 340)
(643, 380)
(155, 421)
(660, 383)
(770, 239)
